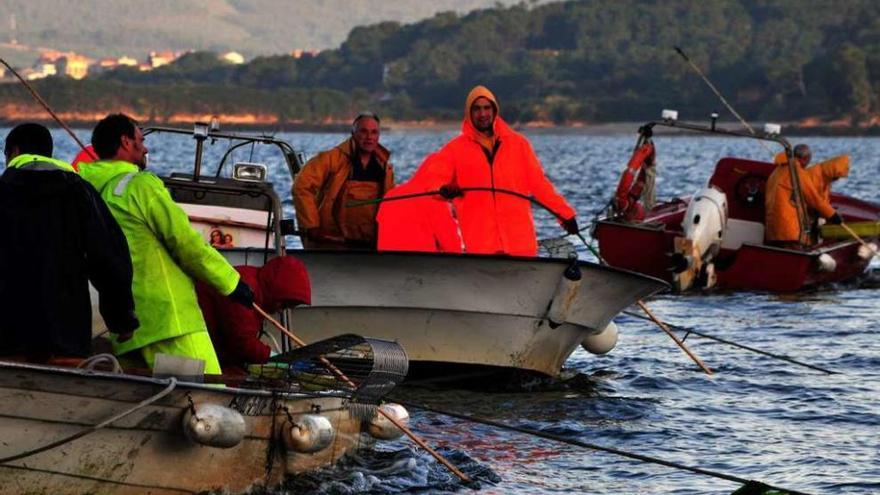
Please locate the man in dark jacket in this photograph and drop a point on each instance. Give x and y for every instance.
(58, 236)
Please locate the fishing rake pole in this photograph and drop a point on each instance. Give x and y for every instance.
(46, 106)
(517, 194)
(657, 321)
(781, 357)
(855, 236)
(339, 374)
(601, 448)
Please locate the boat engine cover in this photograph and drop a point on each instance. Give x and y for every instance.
(705, 219)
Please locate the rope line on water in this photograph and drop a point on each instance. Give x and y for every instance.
(781, 357)
(592, 446)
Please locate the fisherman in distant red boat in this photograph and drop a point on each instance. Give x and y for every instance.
(489, 154)
(782, 226)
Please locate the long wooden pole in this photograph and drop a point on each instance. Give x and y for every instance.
(333, 369)
(855, 236)
(45, 105)
(656, 320)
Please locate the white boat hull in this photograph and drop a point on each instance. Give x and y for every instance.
(460, 310)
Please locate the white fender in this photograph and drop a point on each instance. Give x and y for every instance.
(602, 342)
(214, 425)
(382, 428)
(308, 433)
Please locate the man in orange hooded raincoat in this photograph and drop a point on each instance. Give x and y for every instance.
(489, 154)
(783, 227)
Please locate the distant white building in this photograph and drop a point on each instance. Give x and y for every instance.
(232, 58)
(158, 59)
(126, 60)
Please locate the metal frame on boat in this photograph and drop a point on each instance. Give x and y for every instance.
(658, 245)
(489, 313)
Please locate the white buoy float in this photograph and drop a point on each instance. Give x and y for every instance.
(214, 425)
(382, 428)
(602, 342)
(308, 433)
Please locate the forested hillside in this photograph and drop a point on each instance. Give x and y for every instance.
(601, 60)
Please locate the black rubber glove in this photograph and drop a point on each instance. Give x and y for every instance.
(571, 225)
(243, 295)
(450, 191)
(835, 219)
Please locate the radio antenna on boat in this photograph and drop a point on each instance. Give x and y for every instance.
(339, 374)
(45, 105)
(804, 220)
(721, 97)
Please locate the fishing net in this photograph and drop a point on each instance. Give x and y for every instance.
(365, 369)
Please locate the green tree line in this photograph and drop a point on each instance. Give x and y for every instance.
(593, 61)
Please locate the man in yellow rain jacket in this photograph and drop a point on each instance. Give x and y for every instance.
(783, 227)
(355, 170)
(166, 252)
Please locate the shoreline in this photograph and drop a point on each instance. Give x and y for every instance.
(591, 128)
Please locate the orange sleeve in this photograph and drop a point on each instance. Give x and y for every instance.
(306, 188)
(813, 196)
(437, 170)
(542, 189)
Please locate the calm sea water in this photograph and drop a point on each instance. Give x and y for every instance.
(756, 418)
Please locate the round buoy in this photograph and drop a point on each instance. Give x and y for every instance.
(309, 433)
(602, 342)
(382, 428)
(214, 425)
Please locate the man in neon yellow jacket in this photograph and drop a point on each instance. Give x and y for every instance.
(166, 252)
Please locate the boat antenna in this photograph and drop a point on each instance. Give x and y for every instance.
(45, 105)
(721, 97)
(602, 448)
(339, 374)
(803, 217)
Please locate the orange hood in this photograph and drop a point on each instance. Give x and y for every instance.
(467, 127)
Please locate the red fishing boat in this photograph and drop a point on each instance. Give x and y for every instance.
(715, 238)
